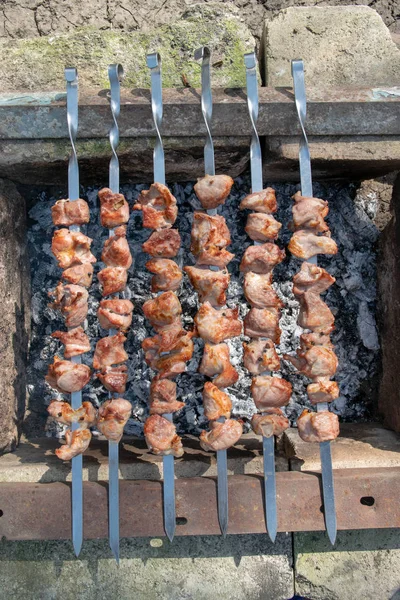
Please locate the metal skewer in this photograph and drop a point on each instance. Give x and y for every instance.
(204, 54)
(257, 186)
(71, 77)
(115, 75)
(154, 64)
(306, 190)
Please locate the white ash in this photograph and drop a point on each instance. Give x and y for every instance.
(352, 300)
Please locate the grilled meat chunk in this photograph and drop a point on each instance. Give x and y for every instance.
(113, 280)
(318, 426)
(215, 326)
(262, 228)
(70, 212)
(270, 392)
(208, 231)
(110, 351)
(260, 356)
(311, 278)
(167, 274)
(221, 435)
(259, 291)
(77, 442)
(305, 244)
(66, 376)
(210, 285)
(163, 311)
(158, 206)
(163, 244)
(270, 423)
(79, 275)
(163, 397)
(72, 301)
(180, 352)
(114, 379)
(213, 190)
(262, 202)
(216, 403)
(161, 437)
(116, 251)
(264, 323)
(315, 363)
(216, 361)
(115, 314)
(71, 248)
(315, 314)
(309, 213)
(261, 259)
(308, 340)
(214, 257)
(75, 341)
(112, 417)
(114, 209)
(322, 390)
(62, 412)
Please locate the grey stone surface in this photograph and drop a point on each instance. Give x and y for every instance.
(363, 565)
(15, 314)
(347, 45)
(193, 568)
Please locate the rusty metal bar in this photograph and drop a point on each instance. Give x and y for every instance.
(334, 112)
(366, 499)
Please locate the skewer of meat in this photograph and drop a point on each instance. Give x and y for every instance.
(270, 393)
(315, 358)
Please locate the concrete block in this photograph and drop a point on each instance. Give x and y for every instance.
(340, 45)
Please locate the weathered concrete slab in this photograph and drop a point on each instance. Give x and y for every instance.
(359, 445)
(363, 564)
(340, 45)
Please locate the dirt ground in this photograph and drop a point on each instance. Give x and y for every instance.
(33, 18)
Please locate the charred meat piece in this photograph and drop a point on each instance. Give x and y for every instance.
(213, 190)
(210, 285)
(318, 426)
(270, 392)
(309, 213)
(112, 417)
(163, 397)
(322, 390)
(113, 280)
(72, 301)
(161, 437)
(77, 442)
(311, 278)
(215, 326)
(71, 248)
(216, 361)
(75, 340)
(163, 311)
(222, 435)
(114, 378)
(79, 275)
(110, 351)
(215, 257)
(116, 251)
(262, 228)
(70, 212)
(260, 356)
(167, 274)
(315, 363)
(271, 423)
(180, 352)
(216, 403)
(158, 206)
(264, 323)
(115, 314)
(261, 259)
(114, 209)
(315, 314)
(66, 376)
(62, 412)
(261, 202)
(305, 244)
(163, 244)
(259, 291)
(208, 231)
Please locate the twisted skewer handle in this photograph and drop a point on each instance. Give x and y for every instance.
(301, 107)
(115, 76)
(154, 64)
(71, 77)
(204, 54)
(252, 103)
